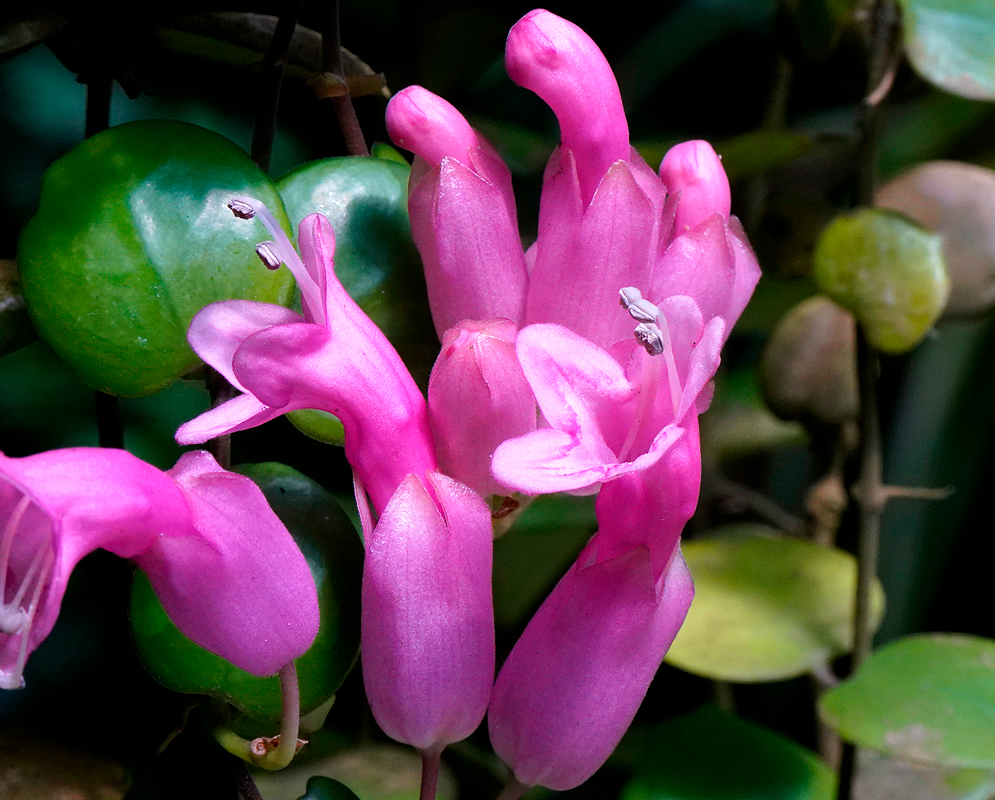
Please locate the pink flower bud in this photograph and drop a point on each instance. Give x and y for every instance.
(694, 172)
(559, 62)
(427, 618)
(477, 398)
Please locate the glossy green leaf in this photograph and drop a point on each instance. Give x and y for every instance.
(951, 43)
(321, 788)
(929, 697)
(887, 271)
(710, 755)
(132, 238)
(334, 553)
(766, 607)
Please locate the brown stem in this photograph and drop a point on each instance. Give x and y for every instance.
(883, 55)
(345, 112)
(269, 87)
(429, 775)
(221, 392)
(246, 786)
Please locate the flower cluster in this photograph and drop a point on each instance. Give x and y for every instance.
(578, 365)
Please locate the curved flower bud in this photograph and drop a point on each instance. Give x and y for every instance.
(694, 172)
(477, 398)
(559, 62)
(472, 271)
(427, 617)
(227, 571)
(575, 679)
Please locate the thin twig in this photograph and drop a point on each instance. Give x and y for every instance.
(246, 786)
(868, 491)
(331, 58)
(274, 65)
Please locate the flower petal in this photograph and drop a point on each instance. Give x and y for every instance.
(218, 330)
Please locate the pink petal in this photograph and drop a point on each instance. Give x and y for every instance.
(472, 271)
(477, 398)
(218, 330)
(694, 172)
(238, 414)
(581, 265)
(427, 617)
(237, 585)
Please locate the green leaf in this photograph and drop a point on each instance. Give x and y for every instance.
(887, 271)
(321, 788)
(132, 238)
(951, 43)
(335, 555)
(766, 607)
(709, 755)
(928, 698)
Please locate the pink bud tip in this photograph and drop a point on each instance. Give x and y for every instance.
(559, 62)
(695, 171)
(428, 126)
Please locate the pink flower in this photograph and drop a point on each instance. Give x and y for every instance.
(427, 618)
(225, 568)
(333, 358)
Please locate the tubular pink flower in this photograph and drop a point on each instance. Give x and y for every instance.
(472, 271)
(334, 359)
(575, 679)
(428, 622)
(477, 398)
(693, 172)
(225, 568)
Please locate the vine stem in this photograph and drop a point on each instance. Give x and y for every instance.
(869, 492)
(331, 58)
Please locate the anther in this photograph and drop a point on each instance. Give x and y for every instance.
(649, 335)
(266, 254)
(241, 209)
(639, 309)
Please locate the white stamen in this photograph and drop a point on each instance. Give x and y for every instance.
(649, 335)
(653, 334)
(639, 309)
(281, 248)
(22, 655)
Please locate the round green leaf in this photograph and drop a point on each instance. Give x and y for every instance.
(887, 271)
(132, 238)
(766, 607)
(335, 555)
(927, 698)
(709, 755)
(951, 43)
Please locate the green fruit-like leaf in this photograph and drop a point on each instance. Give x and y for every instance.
(766, 607)
(132, 238)
(709, 755)
(887, 271)
(926, 698)
(335, 555)
(951, 43)
(321, 788)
